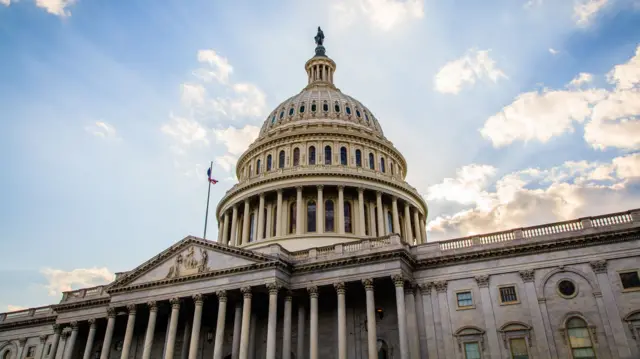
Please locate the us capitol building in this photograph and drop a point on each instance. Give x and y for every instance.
(322, 253)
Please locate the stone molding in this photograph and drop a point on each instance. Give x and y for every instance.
(441, 286)
(599, 266)
(482, 280)
(527, 275)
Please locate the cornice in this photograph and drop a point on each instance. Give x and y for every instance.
(401, 254)
(66, 307)
(29, 322)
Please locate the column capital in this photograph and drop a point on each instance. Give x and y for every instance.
(153, 305)
(92, 322)
(298, 188)
(368, 283)
(288, 296)
(279, 191)
(482, 280)
(341, 188)
(111, 312)
(64, 335)
(599, 266)
(175, 303)
(246, 201)
(246, 292)
(378, 193)
(340, 287)
(313, 291)
(132, 309)
(56, 328)
(74, 325)
(409, 288)
(441, 286)
(425, 288)
(360, 190)
(262, 195)
(398, 280)
(222, 295)
(43, 339)
(527, 275)
(320, 187)
(274, 287)
(198, 299)
(22, 341)
(394, 199)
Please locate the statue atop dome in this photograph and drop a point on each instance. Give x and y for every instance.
(319, 38)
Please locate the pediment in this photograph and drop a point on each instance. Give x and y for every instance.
(189, 257)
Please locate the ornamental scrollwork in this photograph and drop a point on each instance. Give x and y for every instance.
(599, 266)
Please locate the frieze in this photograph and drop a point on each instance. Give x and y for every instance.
(189, 264)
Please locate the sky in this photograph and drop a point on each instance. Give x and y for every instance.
(509, 113)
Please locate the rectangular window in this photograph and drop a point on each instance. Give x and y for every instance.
(630, 280)
(518, 348)
(465, 299)
(472, 351)
(508, 294)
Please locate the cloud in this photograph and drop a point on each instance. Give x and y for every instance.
(5, 2)
(60, 281)
(227, 162)
(585, 10)
(248, 101)
(237, 140)
(553, 51)
(381, 14)
(474, 65)
(610, 116)
(103, 130)
(466, 188)
(219, 68)
(185, 131)
(533, 196)
(583, 78)
(193, 94)
(15, 308)
(56, 7)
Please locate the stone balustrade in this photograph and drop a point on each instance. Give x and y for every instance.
(26, 314)
(84, 293)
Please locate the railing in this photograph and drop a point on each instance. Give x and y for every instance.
(542, 230)
(25, 313)
(341, 248)
(83, 293)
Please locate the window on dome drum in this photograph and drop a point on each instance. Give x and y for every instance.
(312, 155)
(366, 117)
(291, 111)
(372, 161)
(518, 347)
(281, 114)
(258, 167)
(296, 156)
(329, 223)
(472, 350)
(464, 299)
(311, 216)
(292, 218)
(508, 294)
(382, 169)
(358, 158)
(325, 107)
(343, 156)
(358, 113)
(347, 217)
(301, 109)
(580, 339)
(281, 159)
(390, 222)
(630, 280)
(391, 165)
(337, 108)
(252, 227)
(313, 107)
(327, 155)
(269, 163)
(348, 110)
(273, 119)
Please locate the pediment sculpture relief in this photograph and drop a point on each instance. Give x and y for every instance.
(188, 263)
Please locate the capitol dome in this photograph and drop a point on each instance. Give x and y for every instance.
(320, 172)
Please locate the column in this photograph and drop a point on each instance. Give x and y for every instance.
(56, 340)
(90, 337)
(489, 319)
(246, 317)
(233, 239)
(416, 223)
(380, 213)
(320, 211)
(225, 230)
(260, 229)
(245, 222)
(301, 325)
(372, 219)
(372, 336)
(299, 206)
(407, 224)
(423, 230)
(64, 337)
(151, 328)
(446, 334)
(429, 320)
(612, 314)
(340, 210)
(173, 328)
(237, 328)
(106, 343)
(68, 350)
(128, 334)
(342, 320)
(43, 340)
(394, 214)
(279, 214)
(273, 319)
(542, 345)
(361, 227)
(222, 311)
(195, 327)
(313, 322)
(252, 336)
(286, 327)
(412, 321)
(269, 219)
(398, 281)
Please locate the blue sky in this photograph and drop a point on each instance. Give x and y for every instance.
(509, 113)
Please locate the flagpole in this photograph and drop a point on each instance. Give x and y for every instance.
(206, 216)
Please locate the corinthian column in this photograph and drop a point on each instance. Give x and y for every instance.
(260, 229)
(398, 281)
(246, 317)
(173, 328)
(225, 229)
(269, 221)
(92, 334)
(313, 321)
(408, 235)
(279, 214)
(300, 338)
(394, 214)
(108, 335)
(43, 340)
(222, 311)
(372, 336)
(286, 327)
(68, 352)
(273, 320)
(151, 328)
(342, 321)
(233, 235)
(320, 211)
(340, 220)
(56, 340)
(128, 334)
(416, 223)
(299, 227)
(361, 227)
(195, 328)
(380, 213)
(245, 222)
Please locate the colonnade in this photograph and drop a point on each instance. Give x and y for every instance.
(367, 214)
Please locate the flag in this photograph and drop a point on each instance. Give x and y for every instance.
(211, 180)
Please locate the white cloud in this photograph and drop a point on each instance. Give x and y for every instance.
(626, 76)
(103, 130)
(553, 51)
(227, 162)
(193, 94)
(534, 196)
(15, 308)
(583, 78)
(5, 2)
(56, 7)
(61, 281)
(219, 69)
(185, 131)
(475, 65)
(248, 100)
(237, 140)
(585, 10)
(381, 14)
(466, 188)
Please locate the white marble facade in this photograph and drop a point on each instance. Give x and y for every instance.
(322, 253)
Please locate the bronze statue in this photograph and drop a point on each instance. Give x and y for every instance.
(319, 37)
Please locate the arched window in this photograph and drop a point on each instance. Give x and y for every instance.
(382, 165)
(249, 171)
(292, 218)
(329, 223)
(391, 166)
(372, 161)
(258, 167)
(252, 227)
(312, 155)
(347, 217)
(313, 107)
(348, 109)
(311, 216)
(7, 354)
(358, 158)
(327, 155)
(301, 108)
(281, 159)
(390, 222)
(343, 156)
(580, 338)
(269, 163)
(296, 156)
